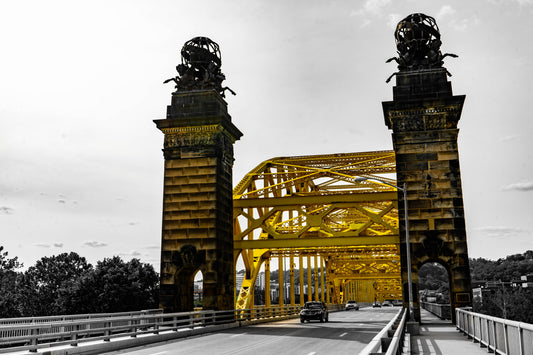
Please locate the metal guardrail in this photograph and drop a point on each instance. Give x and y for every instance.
(388, 340)
(443, 311)
(499, 335)
(21, 336)
(10, 332)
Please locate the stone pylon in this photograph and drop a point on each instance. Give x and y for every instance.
(423, 117)
(198, 205)
(197, 196)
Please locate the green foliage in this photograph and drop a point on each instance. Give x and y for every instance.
(52, 279)
(505, 269)
(510, 303)
(68, 284)
(6, 263)
(432, 276)
(114, 286)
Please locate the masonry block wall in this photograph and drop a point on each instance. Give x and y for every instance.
(197, 227)
(423, 117)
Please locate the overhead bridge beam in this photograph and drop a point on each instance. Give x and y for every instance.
(314, 242)
(293, 200)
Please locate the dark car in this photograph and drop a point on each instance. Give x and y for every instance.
(376, 304)
(351, 305)
(314, 310)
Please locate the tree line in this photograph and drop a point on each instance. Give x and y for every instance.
(68, 284)
(504, 301)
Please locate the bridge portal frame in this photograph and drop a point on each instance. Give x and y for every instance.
(315, 206)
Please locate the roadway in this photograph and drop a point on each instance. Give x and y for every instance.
(347, 332)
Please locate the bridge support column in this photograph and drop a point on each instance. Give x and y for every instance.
(322, 279)
(423, 117)
(309, 287)
(267, 282)
(280, 281)
(197, 228)
(316, 278)
(301, 277)
(291, 274)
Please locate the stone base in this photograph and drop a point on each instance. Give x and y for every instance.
(412, 328)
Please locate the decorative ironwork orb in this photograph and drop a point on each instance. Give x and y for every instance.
(200, 67)
(200, 52)
(418, 34)
(418, 44)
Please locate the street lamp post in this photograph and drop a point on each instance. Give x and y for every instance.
(407, 242)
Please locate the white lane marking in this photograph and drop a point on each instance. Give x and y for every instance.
(343, 334)
(159, 353)
(237, 335)
(312, 353)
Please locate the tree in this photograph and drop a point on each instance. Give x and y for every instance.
(48, 284)
(116, 286)
(9, 284)
(6, 263)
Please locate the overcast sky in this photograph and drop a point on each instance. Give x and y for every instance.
(81, 82)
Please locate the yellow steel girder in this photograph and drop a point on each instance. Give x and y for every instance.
(319, 205)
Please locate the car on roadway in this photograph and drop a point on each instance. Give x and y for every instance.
(376, 304)
(397, 303)
(387, 303)
(314, 310)
(351, 305)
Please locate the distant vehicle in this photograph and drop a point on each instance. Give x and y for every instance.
(387, 303)
(397, 303)
(351, 305)
(314, 310)
(376, 304)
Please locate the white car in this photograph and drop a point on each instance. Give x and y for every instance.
(351, 305)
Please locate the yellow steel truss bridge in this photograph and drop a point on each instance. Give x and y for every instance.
(319, 210)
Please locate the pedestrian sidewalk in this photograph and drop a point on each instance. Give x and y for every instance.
(441, 337)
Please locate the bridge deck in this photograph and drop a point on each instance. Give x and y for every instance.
(439, 336)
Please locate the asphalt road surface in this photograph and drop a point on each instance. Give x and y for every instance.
(347, 332)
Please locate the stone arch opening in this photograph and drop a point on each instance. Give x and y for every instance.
(434, 285)
(198, 290)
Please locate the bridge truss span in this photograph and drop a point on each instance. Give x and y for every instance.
(320, 208)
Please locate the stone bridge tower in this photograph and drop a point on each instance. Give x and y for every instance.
(198, 206)
(423, 117)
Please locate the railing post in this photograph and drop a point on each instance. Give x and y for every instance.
(505, 337)
(133, 328)
(494, 336)
(74, 336)
(521, 339)
(107, 331)
(34, 339)
(156, 325)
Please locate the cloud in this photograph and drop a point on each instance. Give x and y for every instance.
(371, 8)
(520, 186)
(393, 20)
(42, 245)
(6, 210)
(58, 245)
(501, 231)
(462, 25)
(132, 254)
(445, 10)
(95, 244)
(509, 138)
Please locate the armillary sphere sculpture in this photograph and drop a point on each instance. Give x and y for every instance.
(418, 44)
(200, 67)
